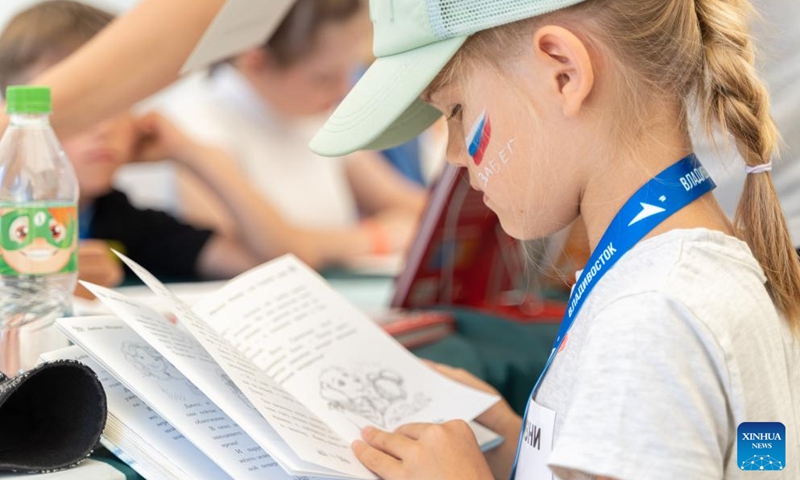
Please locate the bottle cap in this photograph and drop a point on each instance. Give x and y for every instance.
(25, 99)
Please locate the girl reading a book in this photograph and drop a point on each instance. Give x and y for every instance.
(683, 327)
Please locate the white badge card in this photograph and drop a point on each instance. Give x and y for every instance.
(536, 443)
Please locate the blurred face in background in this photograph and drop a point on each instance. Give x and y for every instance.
(316, 81)
(98, 152)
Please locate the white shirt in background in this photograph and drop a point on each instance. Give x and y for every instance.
(272, 151)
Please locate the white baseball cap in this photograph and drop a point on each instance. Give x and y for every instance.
(414, 40)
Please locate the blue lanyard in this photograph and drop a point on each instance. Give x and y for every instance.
(660, 198)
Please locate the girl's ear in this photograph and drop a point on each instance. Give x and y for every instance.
(567, 66)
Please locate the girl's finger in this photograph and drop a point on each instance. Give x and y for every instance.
(384, 465)
(413, 430)
(430, 363)
(395, 444)
(442, 368)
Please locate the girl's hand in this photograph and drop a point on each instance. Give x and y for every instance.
(423, 450)
(396, 231)
(160, 140)
(500, 418)
(96, 264)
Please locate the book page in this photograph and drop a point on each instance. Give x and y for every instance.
(160, 435)
(151, 378)
(295, 438)
(330, 356)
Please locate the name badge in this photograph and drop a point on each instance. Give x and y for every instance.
(536, 443)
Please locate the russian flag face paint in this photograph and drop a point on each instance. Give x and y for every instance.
(478, 138)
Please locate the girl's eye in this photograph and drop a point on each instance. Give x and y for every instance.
(456, 111)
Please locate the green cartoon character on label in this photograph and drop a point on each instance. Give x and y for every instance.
(38, 240)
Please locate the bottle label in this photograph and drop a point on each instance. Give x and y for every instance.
(38, 240)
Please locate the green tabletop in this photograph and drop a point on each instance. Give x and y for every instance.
(103, 455)
(508, 354)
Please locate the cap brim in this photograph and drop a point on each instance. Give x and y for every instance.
(384, 109)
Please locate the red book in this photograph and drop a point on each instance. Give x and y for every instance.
(462, 257)
(413, 329)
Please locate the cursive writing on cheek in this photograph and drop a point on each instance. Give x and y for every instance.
(495, 165)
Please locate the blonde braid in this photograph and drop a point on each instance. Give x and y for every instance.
(731, 95)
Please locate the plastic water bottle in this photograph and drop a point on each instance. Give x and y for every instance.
(38, 231)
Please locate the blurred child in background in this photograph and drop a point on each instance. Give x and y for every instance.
(264, 106)
(44, 34)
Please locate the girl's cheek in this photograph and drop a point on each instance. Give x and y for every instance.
(455, 153)
(478, 138)
(489, 150)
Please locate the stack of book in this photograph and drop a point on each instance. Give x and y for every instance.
(416, 328)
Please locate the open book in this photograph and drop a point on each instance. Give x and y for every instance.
(462, 257)
(273, 372)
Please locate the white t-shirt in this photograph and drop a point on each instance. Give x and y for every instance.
(777, 37)
(676, 346)
(272, 151)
